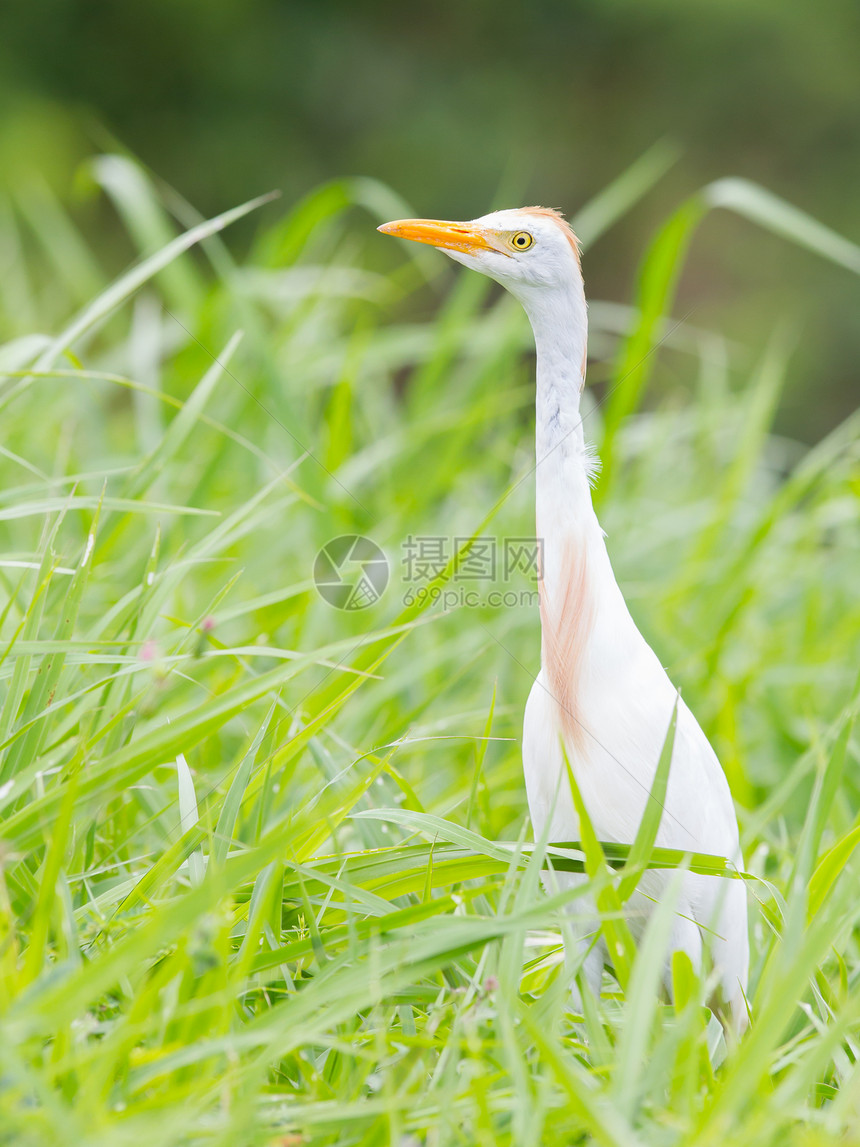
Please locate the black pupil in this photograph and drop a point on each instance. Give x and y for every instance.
(521, 239)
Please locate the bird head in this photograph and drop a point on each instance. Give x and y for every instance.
(528, 250)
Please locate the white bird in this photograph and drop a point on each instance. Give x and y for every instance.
(601, 692)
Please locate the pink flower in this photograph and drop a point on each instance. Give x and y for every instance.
(149, 650)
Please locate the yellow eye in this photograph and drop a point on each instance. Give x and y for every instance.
(521, 241)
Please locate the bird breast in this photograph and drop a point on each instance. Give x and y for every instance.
(604, 695)
(567, 608)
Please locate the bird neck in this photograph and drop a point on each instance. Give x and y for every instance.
(575, 567)
(575, 571)
(560, 326)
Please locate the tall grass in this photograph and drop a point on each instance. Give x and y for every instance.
(266, 873)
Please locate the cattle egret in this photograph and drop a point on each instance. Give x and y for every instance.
(601, 693)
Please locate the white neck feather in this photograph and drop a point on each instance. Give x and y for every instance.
(560, 325)
(575, 566)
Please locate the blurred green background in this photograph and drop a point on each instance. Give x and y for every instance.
(461, 107)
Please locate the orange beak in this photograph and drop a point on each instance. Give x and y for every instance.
(440, 233)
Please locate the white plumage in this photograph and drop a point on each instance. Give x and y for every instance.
(602, 691)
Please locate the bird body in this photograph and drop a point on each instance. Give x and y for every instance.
(602, 699)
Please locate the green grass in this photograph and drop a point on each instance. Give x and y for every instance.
(266, 873)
